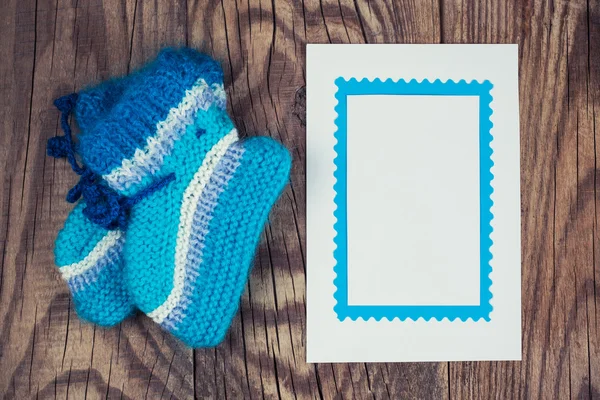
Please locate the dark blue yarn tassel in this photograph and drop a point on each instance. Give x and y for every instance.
(104, 206)
(62, 146)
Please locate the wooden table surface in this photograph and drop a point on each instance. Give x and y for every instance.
(50, 48)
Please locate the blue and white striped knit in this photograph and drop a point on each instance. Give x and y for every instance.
(89, 258)
(191, 238)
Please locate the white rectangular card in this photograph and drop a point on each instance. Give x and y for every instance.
(413, 203)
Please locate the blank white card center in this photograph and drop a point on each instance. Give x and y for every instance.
(413, 200)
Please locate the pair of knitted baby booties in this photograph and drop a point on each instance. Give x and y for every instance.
(171, 202)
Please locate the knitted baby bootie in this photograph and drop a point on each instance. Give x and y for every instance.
(200, 195)
(89, 256)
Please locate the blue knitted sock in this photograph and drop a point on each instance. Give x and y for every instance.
(196, 196)
(190, 246)
(89, 255)
(89, 258)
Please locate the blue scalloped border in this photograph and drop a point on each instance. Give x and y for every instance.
(403, 88)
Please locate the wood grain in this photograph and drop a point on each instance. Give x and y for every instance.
(49, 48)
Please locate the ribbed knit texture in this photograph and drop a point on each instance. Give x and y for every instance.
(144, 101)
(190, 243)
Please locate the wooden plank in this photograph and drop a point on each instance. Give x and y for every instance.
(558, 92)
(17, 28)
(51, 48)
